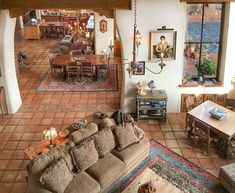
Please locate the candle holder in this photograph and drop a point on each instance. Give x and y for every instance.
(111, 49)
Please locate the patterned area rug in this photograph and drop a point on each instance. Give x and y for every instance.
(109, 83)
(177, 173)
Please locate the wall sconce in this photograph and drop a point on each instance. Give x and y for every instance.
(50, 134)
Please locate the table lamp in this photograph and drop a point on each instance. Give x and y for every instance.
(50, 133)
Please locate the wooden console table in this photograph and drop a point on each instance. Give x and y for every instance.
(32, 30)
(43, 145)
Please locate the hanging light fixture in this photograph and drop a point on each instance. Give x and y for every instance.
(133, 65)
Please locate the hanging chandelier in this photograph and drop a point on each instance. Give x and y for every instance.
(134, 65)
(136, 42)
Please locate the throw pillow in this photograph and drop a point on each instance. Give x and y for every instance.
(106, 122)
(64, 152)
(56, 177)
(40, 163)
(104, 141)
(84, 155)
(125, 135)
(83, 133)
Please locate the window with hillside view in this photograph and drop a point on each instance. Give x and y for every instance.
(202, 41)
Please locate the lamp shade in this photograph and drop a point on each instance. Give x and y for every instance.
(50, 133)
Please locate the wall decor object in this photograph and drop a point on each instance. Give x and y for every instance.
(140, 70)
(103, 26)
(162, 44)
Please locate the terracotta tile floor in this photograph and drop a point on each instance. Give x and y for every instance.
(59, 109)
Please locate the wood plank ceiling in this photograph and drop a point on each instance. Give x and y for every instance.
(104, 7)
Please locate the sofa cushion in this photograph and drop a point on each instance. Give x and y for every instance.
(83, 183)
(83, 133)
(104, 141)
(106, 170)
(40, 163)
(84, 155)
(131, 153)
(106, 122)
(56, 177)
(125, 135)
(64, 152)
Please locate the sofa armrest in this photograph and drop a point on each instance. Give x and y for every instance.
(139, 132)
(35, 186)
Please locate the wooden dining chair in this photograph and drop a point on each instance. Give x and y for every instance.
(54, 66)
(75, 53)
(73, 70)
(189, 104)
(202, 133)
(103, 70)
(87, 70)
(230, 103)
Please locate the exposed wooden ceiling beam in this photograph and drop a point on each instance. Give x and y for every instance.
(65, 4)
(106, 12)
(206, 1)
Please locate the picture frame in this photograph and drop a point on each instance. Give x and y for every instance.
(103, 26)
(162, 40)
(140, 68)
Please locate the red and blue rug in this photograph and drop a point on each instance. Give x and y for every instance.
(178, 171)
(58, 84)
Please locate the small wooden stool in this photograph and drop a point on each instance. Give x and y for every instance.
(3, 104)
(227, 177)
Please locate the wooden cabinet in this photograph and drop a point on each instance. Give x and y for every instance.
(32, 30)
(217, 98)
(152, 105)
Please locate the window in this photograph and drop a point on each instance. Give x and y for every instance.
(202, 41)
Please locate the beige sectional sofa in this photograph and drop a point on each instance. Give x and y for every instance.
(100, 176)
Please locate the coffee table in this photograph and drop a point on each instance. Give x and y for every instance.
(159, 183)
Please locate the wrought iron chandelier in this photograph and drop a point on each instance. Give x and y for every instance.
(133, 65)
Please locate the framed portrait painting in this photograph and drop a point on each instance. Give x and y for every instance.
(140, 68)
(162, 44)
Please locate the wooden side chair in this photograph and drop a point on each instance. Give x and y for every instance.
(54, 67)
(230, 103)
(87, 70)
(202, 133)
(189, 104)
(103, 70)
(73, 70)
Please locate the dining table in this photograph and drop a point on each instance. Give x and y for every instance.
(224, 129)
(63, 59)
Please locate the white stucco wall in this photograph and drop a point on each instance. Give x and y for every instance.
(102, 40)
(150, 16)
(7, 62)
